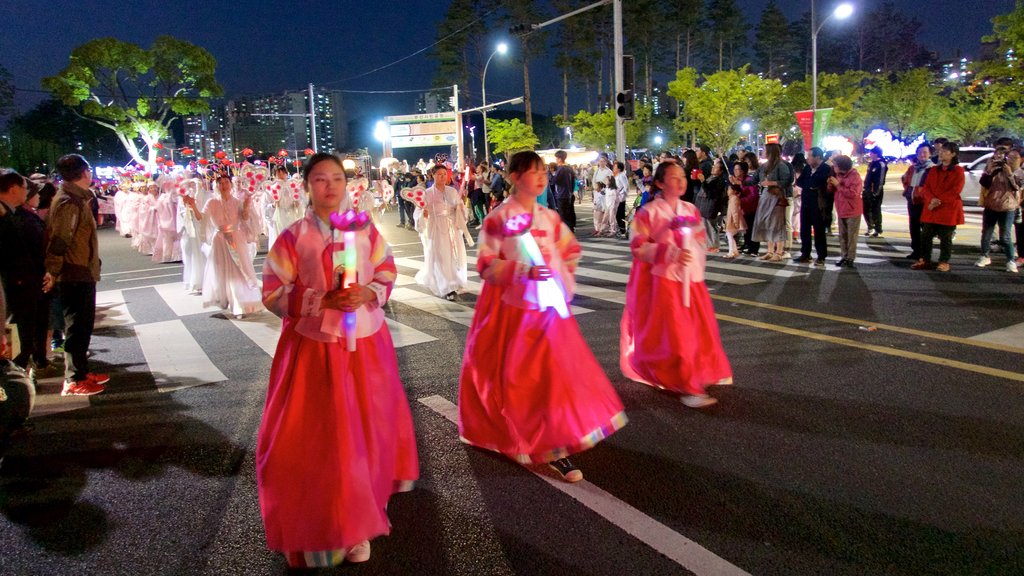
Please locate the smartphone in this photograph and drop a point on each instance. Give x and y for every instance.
(694, 174)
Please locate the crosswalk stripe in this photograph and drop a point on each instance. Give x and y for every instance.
(173, 355)
(403, 335)
(111, 310)
(685, 552)
(428, 303)
(263, 329)
(179, 301)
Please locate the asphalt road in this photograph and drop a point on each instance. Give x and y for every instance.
(876, 427)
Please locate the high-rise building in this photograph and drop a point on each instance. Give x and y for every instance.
(435, 101)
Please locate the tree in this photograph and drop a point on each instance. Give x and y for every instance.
(645, 28)
(593, 131)
(905, 102)
(136, 92)
(773, 44)
(455, 55)
(841, 92)
(889, 39)
(510, 136)
(969, 118)
(684, 17)
(6, 92)
(577, 51)
(718, 106)
(727, 32)
(51, 129)
(530, 45)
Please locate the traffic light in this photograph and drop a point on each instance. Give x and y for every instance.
(522, 29)
(625, 101)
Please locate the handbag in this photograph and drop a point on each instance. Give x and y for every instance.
(777, 192)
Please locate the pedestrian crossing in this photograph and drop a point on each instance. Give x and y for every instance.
(176, 359)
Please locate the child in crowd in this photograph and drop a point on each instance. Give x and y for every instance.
(530, 388)
(336, 439)
(735, 223)
(668, 335)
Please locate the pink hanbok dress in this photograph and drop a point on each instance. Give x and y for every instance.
(664, 343)
(336, 439)
(167, 247)
(530, 387)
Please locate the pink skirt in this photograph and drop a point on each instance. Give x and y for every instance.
(530, 387)
(663, 343)
(336, 441)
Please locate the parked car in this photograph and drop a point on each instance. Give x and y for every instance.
(968, 154)
(972, 175)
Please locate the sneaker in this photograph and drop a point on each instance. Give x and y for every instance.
(819, 262)
(876, 234)
(983, 261)
(98, 378)
(841, 262)
(81, 388)
(697, 400)
(567, 470)
(1011, 267)
(359, 553)
(849, 264)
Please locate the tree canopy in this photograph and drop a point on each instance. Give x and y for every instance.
(134, 91)
(510, 136)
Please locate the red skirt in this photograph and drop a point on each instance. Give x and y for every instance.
(663, 343)
(530, 387)
(336, 441)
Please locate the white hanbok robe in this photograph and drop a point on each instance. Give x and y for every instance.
(229, 280)
(444, 268)
(167, 247)
(193, 237)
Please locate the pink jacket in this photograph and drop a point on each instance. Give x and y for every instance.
(848, 194)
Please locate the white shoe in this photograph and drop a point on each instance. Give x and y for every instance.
(1011, 267)
(983, 261)
(697, 400)
(359, 553)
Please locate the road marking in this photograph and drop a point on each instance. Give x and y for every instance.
(431, 305)
(148, 277)
(1004, 336)
(685, 552)
(987, 370)
(263, 329)
(403, 335)
(173, 354)
(142, 270)
(111, 310)
(713, 276)
(862, 322)
(181, 302)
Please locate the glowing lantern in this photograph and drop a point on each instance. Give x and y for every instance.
(203, 161)
(220, 155)
(282, 153)
(158, 146)
(247, 152)
(309, 152)
(187, 151)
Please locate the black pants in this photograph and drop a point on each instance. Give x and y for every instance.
(78, 301)
(914, 212)
(567, 211)
(749, 246)
(873, 212)
(811, 221)
(620, 217)
(945, 233)
(29, 308)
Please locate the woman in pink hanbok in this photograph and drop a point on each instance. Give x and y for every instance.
(669, 335)
(336, 439)
(530, 387)
(229, 280)
(167, 247)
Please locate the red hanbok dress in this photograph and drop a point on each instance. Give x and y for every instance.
(336, 440)
(530, 387)
(664, 343)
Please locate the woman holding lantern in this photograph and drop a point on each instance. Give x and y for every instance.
(229, 280)
(440, 222)
(336, 439)
(668, 335)
(530, 387)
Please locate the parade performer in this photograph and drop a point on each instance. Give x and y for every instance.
(336, 439)
(285, 205)
(147, 221)
(444, 270)
(229, 280)
(668, 335)
(530, 388)
(192, 232)
(167, 247)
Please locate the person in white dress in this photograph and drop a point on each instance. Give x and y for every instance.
(167, 247)
(229, 280)
(441, 222)
(192, 231)
(603, 174)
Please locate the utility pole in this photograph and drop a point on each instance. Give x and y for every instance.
(620, 122)
(312, 119)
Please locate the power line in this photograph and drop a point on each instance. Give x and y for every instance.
(416, 53)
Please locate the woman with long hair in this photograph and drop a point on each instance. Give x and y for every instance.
(775, 178)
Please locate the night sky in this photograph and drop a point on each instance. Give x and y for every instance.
(266, 46)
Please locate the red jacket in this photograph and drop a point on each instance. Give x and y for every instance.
(946, 184)
(849, 203)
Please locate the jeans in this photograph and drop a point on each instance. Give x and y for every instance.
(873, 212)
(989, 220)
(567, 211)
(848, 230)
(914, 212)
(945, 234)
(78, 300)
(811, 223)
(401, 210)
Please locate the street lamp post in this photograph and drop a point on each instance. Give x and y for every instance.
(501, 49)
(746, 128)
(841, 12)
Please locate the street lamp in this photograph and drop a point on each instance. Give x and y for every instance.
(381, 133)
(841, 12)
(746, 128)
(501, 49)
(658, 140)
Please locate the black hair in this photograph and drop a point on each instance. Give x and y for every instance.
(316, 159)
(817, 152)
(955, 149)
(659, 175)
(561, 155)
(71, 167)
(925, 145)
(620, 166)
(9, 179)
(437, 167)
(705, 149)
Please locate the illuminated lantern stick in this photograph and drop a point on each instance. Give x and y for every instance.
(549, 292)
(684, 225)
(348, 223)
